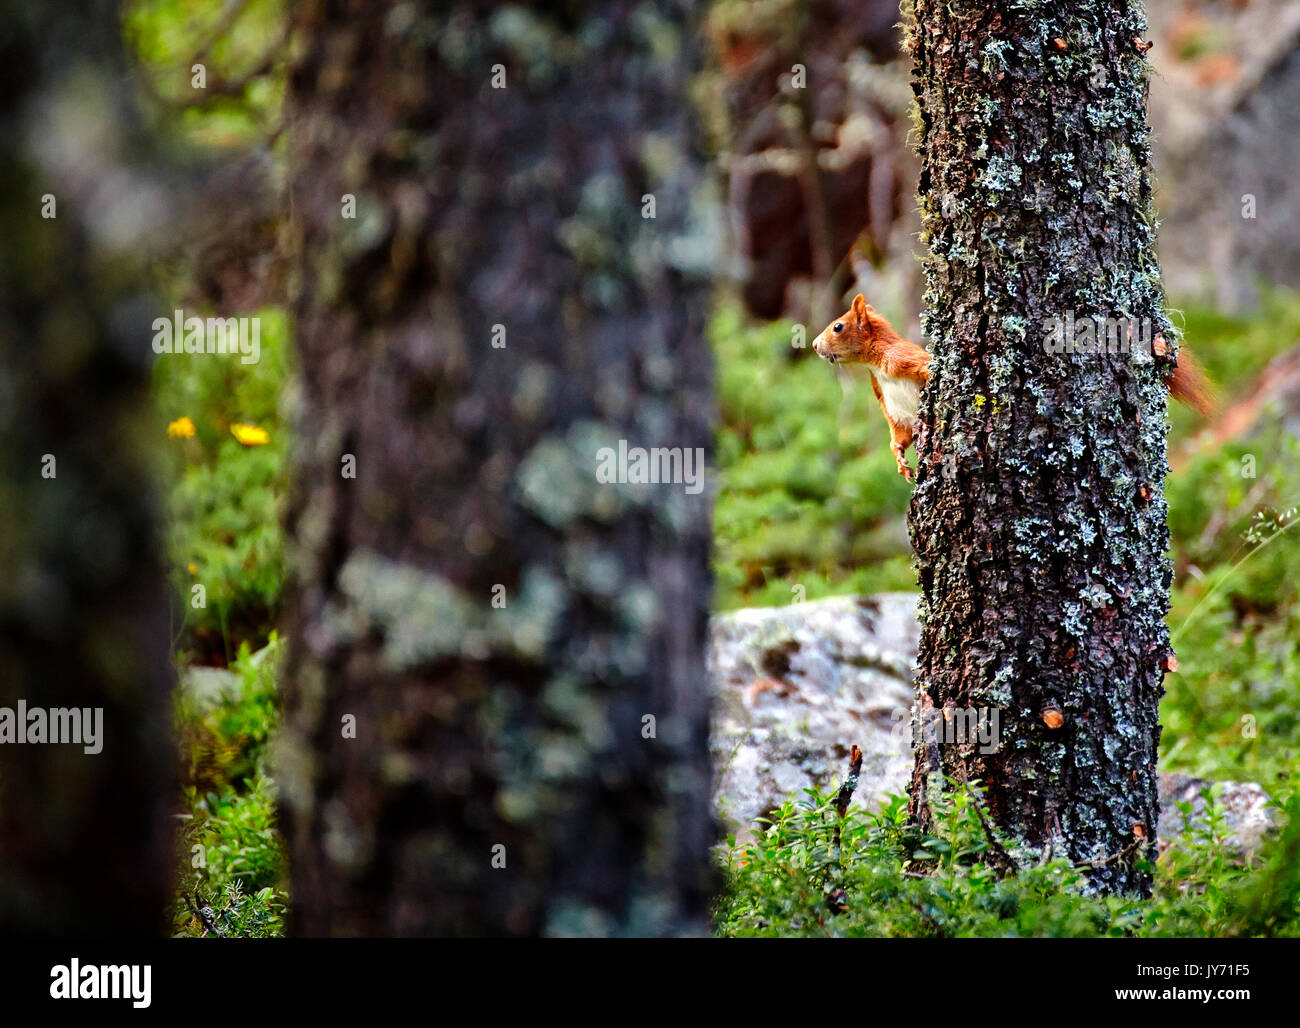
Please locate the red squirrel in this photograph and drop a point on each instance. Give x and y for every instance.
(899, 368)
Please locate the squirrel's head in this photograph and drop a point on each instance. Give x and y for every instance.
(853, 337)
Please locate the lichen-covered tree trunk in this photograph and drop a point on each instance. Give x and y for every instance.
(496, 700)
(86, 842)
(1039, 519)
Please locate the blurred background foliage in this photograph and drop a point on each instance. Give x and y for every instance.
(242, 45)
(808, 502)
(231, 858)
(225, 506)
(226, 502)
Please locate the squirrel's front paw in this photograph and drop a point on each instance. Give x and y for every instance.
(900, 459)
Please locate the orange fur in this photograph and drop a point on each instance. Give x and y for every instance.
(1189, 386)
(862, 336)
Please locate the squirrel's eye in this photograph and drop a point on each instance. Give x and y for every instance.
(839, 326)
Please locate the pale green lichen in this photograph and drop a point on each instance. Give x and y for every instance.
(557, 478)
(422, 617)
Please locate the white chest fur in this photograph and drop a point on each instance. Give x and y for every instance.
(902, 397)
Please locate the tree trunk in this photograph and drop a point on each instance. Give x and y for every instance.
(86, 844)
(498, 621)
(1039, 517)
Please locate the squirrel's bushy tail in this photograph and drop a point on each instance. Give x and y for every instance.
(1188, 384)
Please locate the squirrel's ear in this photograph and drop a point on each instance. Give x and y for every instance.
(860, 308)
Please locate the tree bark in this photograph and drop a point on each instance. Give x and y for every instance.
(86, 844)
(488, 734)
(1039, 519)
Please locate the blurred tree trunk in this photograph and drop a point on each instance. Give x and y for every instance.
(86, 843)
(1039, 518)
(498, 310)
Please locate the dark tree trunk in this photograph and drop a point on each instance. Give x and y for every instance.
(480, 727)
(86, 843)
(1039, 518)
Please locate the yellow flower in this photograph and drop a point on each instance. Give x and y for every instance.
(193, 570)
(250, 435)
(181, 428)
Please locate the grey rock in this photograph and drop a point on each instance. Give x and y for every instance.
(1246, 813)
(796, 686)
(211, 687)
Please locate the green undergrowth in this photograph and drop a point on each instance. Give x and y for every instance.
(231, 859)
(899, 882)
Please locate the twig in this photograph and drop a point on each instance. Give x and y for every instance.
(1137, 841)
(836, 895)
(206, 915)
(846, 790)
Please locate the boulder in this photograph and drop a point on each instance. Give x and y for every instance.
(796, 686)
